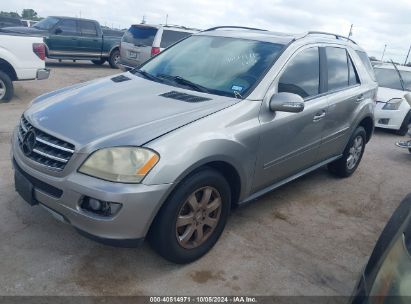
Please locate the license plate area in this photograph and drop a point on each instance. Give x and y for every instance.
(133, 55)
(24, 187)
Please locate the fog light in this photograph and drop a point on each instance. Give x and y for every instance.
(100, 207)
(384, 121)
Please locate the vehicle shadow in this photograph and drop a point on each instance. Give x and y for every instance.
(76, 64)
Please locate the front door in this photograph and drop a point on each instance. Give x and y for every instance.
(90, 43)
(290, 142)
(63, 39)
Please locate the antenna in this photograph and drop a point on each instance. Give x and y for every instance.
(383, 52)
(350, 33)
(143, 21)
(166, 18)
(408, 54)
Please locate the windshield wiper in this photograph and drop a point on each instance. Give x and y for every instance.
(186, 82)
(399, 74)
(145, 74)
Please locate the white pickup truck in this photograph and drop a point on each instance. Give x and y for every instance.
(21, 58)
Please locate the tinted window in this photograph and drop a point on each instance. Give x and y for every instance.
(171, 37)
(88, 28)
(225, 66)
(46, 24)
(68, 27)
(406, 76)
(140, 35)
(353, 76)
(366, 61)
(302, 74)
(388, 78)
(337, 68)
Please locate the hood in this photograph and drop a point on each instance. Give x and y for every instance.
(385, 94)
(105, 110)
(25, 30)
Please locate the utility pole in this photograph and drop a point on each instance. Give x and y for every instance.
(166, 18)
(383, 52)
(350, 33)
(144, 20)
(408, 54)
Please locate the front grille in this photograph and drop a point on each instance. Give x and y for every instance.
(47, 150)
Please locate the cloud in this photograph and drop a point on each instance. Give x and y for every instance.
(376, 22)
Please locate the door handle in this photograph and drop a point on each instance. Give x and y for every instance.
(359, 98)
(319, 116)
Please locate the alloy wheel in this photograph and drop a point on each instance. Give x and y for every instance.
(355, 152)
(2, 89)
(198, 217)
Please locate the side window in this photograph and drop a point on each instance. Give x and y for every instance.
(337, 68)
(170, 37)
(302, 74)
(88, 28)
(68, 27)
(352, 73)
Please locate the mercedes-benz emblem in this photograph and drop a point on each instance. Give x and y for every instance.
(29, 141)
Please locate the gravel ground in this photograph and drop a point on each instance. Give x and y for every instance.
(310, 237)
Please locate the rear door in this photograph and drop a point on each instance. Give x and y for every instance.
(169, 37)
(136, 44)
(345, 95)
(290, 142)
(90, 41)
(63, 39)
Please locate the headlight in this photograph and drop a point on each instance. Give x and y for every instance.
(392, 104)
(120, 164)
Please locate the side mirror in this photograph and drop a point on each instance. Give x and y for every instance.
(286, 102)
(58, 31)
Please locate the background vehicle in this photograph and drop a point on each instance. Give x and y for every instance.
(21, 58)
(8, 21)
(387, 276)
(28, 23)
(143, 41)
(216, 120)
(75, 39)
(392, 110)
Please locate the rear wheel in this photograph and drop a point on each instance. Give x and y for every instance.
(348, 163)
(6, 87)
(193, 218)
(114, 59)
(99, 61)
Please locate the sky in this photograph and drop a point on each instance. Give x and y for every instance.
(375, 22)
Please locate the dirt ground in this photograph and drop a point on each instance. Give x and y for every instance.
(310, 237)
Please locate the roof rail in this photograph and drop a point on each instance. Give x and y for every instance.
(180, 26)
(234, 27)
(329, 34)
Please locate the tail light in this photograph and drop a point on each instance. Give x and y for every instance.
(155, 51)
(40, 50)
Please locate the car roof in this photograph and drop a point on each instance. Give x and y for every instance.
(390, 66)
(169, 27)
(74, 18)
(278, 37)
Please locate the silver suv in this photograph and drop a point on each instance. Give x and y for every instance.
(214, 121)
(143, 41)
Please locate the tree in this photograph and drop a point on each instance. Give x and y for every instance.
(10, 14)
(29, 13)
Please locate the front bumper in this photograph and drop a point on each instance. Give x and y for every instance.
(140, 202)
(42, 74)
(390, 119)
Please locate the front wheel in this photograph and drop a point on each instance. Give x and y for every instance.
(6, 87)
(114, 59)
(193, 218)
(352, 155)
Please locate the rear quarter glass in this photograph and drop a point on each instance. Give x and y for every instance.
(366, 62)
(170, 37)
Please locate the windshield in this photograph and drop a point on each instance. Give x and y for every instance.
(389, 78)
(223, 66)
(46, 24)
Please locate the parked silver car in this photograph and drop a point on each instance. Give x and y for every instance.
(216, 120)
(142, 41)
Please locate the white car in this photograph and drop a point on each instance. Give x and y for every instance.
(392, 110)
(21, 58)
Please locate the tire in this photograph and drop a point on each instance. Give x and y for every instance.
(167, 238)
(6, 87)
(99, 61)
(343, 167)
(404, 126)
(114, 59)
(409, 150)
